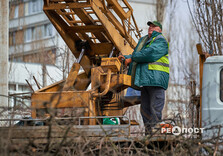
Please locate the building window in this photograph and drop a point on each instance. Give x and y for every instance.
(28, 35)
(26, 9)
(37, 33)
(221, 85)
(48, 30)
(16, 13)
(12, 38)
(17, 100)
(23, 88)
(15, 58)
(35, 6)
(12, 87)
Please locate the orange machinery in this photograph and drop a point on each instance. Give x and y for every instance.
(95, 31)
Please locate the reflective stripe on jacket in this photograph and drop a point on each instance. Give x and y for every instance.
(163, 63)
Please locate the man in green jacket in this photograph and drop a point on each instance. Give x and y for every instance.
(149, 68)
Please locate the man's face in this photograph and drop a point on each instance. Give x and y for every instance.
(152, 28)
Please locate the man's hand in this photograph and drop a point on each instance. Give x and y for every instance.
(127, 61)
(121, 57)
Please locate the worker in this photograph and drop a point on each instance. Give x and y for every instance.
(149, 68)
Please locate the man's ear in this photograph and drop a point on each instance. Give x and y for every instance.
(160, 30)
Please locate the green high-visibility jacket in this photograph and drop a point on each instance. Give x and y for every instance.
(152, 64)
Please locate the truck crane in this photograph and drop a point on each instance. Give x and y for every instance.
(95, 31)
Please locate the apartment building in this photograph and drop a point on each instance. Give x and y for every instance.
(33, 48)
(32, 37)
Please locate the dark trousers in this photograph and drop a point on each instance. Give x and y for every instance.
(152, 103)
